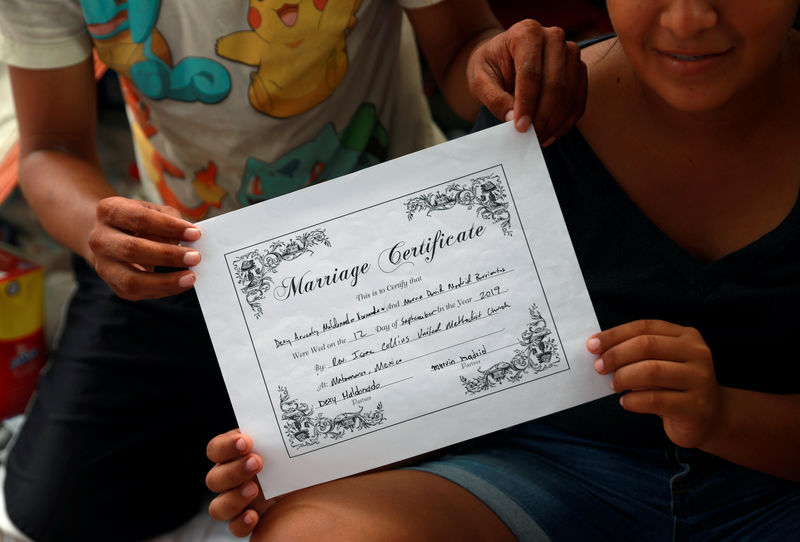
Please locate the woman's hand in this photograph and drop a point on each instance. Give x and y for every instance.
(240, 501)
(532, 75)
(130, 238)
(667, 370)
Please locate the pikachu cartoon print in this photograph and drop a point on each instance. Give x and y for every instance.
(299, 50)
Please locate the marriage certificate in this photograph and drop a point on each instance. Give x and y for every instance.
(398, 310)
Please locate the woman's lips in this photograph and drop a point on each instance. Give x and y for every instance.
(689, 56)
(691, 62)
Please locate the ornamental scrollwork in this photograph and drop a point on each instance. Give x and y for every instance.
(539, 352)
(253, 270)
(304, 430)
(486, 194)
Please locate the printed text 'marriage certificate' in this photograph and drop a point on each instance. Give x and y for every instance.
(398, 310)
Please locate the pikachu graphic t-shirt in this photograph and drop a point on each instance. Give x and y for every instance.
(235, 102)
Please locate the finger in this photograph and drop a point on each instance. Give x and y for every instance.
(646, 347)
(133, 284)
(230, 504)
(664, 403)
(114, 244)
(528, 67)
(229, 446)
(653, 374)
(599, 342)
(243, 524)
(144, 219)
(491, 78)
(502, 107)
(499, 102)
(553, 100)
(577, 87)
(231, 474)
(171, 211)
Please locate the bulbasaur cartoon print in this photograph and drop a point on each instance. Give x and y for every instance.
(299, 50)
(127, 41)
(363, 143)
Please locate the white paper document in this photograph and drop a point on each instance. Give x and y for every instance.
(399, 309)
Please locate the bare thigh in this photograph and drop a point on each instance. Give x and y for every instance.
(386, 506)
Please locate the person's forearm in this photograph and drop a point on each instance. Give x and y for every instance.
(453, 82)
(63, 192)
(447, 33)
(760, 431)
(59, 169)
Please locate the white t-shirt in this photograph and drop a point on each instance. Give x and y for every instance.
(235, 102)
(8, 121)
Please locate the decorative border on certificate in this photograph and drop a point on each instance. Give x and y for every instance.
(348, 402)
(252, 270)
(486, 194)
(539, 353)
(303, 430)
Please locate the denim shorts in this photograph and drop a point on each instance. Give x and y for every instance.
(546, 483)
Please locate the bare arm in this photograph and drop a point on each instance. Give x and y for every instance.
(529, 74)
(447, 34)
(59, 170)
(61, 178)
(760, 431)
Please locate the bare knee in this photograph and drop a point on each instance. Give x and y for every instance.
(388, 506)
(306, 520)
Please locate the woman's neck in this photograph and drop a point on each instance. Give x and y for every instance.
(712, 181)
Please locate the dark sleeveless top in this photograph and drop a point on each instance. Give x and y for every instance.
(746, 304)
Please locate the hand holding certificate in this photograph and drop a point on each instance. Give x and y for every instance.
(398, 310)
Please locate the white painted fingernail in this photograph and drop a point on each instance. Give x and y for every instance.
(191, 258)
(599, 366)
(186, 280)
(251, 464)
(523, 123)
(191, 234)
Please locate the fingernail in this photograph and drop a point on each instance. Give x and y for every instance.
(241, 445)
(548, 142)
(191, 258)
(251, 464)
(523, 123)
(191, 234)
(611, 385)
(248, 518)
(249, 490)
(593, 345)
(599, 366)
(186, 280)
(510, 115)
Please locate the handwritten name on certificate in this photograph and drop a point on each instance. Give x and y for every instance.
(399, 309)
